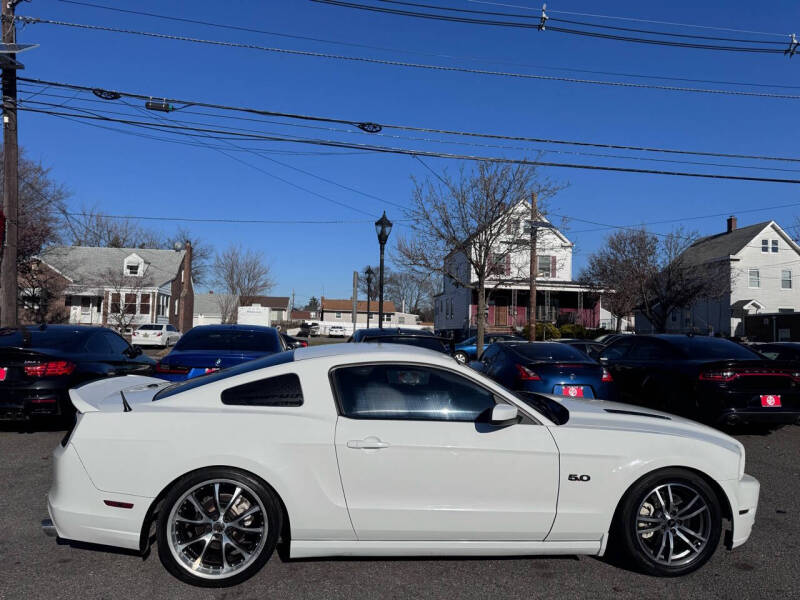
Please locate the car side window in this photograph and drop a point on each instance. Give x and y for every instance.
(171, 328)
(490, 354)
(617, 349)
(283, 390)
(118, 345)
(97, 344)
(409, 392)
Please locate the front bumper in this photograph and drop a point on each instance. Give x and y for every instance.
(743, 497)
(78, 512)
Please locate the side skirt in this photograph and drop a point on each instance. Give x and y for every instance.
(309, 549)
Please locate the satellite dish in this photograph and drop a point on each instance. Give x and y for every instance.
(178, 247)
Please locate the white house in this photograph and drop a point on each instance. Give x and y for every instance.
(764, 266)
(560, 299)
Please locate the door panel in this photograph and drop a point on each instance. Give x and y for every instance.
(429, 480)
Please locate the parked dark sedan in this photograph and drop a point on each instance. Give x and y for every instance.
(705, 378)
(208, 348)
(548, 368)
(292, 343)
(402, 335)
(779, 350)
(38, 366)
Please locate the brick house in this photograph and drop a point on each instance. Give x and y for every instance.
(148, 285)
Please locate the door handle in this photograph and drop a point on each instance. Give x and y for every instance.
(367, 444)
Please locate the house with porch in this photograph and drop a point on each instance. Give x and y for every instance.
(559, 298)
(145, 285)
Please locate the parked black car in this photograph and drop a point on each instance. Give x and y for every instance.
(588, 347)
(710, 379)
(610, 338)
(546, 368)
(293, 343)
(402, 335)
(38, 366)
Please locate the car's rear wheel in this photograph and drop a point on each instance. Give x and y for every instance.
(461, 357)
(217, 527)
(669, 523)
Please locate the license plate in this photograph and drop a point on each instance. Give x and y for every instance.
(573, 391)
(211, 370)
(3, 373)
(146, 334)
(770, 401)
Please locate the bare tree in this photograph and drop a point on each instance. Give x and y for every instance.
(653, 273)
(373, 287)
(228, 305)
(202, 253)
(125, 290)
(41, 293)
(90, 227)
(410, 289)
(242, 274)
(472, 218)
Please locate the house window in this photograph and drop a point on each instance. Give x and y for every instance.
(130, 304)
(177, 300)
(786, 279)
(114, 304)
(162, 304)
(387, 317)
(785, 310)
(545, 266)
(765, 245)
(775, 246)
(754, 279)
(499, 264)
(512, 226)
(338, 315)
(133, 269)
(401, 320)
(144, 304)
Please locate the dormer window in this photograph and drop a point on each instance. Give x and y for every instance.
(133, 266)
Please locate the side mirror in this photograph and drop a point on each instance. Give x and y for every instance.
(504, 414)
(476, 365)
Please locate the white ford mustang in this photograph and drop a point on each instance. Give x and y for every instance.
(383, 450)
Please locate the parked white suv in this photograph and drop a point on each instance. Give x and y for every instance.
(336, 331)
(155, 334)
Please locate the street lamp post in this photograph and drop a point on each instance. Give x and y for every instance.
(383, 227)
(370, 274)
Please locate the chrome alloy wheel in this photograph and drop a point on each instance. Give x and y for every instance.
(673, 524)
(217, 528)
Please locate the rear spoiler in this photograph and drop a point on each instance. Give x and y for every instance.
(115, 394)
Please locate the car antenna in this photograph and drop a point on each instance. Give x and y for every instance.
(125, 406)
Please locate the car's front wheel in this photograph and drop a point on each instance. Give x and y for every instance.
(669, 523)
(217, 527)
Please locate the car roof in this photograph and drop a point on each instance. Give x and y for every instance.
(373, 331)
(233, 327)
(378, 350)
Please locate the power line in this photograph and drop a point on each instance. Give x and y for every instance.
(421, 53)
(412, 152)
(637, 20)
(234, 221)
(516, 24)
(421, 129)
(412, 65)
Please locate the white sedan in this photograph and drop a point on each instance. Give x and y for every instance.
(155, 334)
(386, 450)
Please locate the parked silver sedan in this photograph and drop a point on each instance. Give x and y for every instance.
(155, 334)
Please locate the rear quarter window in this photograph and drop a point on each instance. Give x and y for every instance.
(282, 390)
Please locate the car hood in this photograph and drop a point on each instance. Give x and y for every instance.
(602, 414)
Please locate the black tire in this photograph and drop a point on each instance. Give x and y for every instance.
(271, 520)
(633, 539)
(461, 357)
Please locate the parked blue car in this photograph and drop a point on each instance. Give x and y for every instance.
(546, 368)
(208, 348)
(467, 350)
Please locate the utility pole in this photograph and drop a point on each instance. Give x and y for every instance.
(9, 212)
(355, 300)
(533, 271)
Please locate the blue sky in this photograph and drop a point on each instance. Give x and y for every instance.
(127, 175)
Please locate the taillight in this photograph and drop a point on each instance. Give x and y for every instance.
(159, 334)
(53, 368)
(606, 378)
(303, 344)
(525, 374)
(169, 369)
(717, 376)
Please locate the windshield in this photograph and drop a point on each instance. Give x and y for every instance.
(63, 340)
(230, 339)
(246, 367)
(555, 411)
(709, 348)
(150, 327)
(549, 351)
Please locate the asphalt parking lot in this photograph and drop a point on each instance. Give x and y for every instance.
(35, 566)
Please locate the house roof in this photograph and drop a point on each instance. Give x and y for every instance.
(721, 245)
(207, 304)
(300, 314)
(271, 301)
(86, 265)
(346, 305)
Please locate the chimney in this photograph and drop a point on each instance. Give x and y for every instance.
(731, 223)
